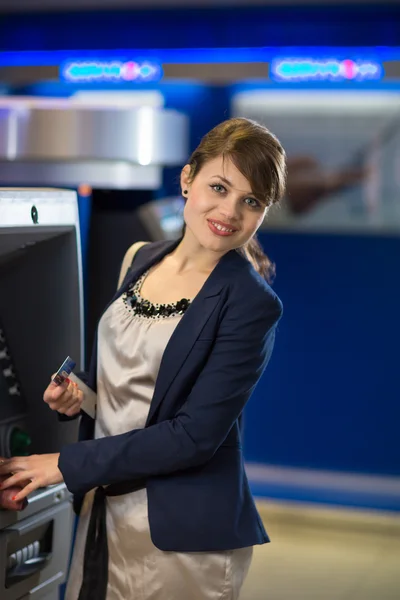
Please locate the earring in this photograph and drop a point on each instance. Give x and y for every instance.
(185, 192)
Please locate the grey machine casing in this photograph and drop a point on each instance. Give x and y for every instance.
(41, 322)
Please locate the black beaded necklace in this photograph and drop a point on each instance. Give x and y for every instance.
(139, 306)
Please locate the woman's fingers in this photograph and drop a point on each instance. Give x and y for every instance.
(8, 466)
(65, 399)
(74, 409)
(54, 391)
(72, 404)
(9, 501)
(20, 479)
(28, 472)
(28, 489)
(17, 487)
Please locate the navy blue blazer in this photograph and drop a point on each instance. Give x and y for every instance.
(189, 453)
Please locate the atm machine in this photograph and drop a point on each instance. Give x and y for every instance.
(41, 322)
(59, 142)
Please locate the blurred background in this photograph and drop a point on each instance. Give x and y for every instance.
(109, 98)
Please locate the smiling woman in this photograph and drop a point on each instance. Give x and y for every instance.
(235, 174)
(158, 475)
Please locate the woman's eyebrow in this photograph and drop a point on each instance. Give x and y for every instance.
(224, 180)
(231, 185)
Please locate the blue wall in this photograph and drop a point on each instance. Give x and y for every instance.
(195, 28)
(330, 396)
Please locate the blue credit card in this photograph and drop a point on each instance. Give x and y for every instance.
(64, 371)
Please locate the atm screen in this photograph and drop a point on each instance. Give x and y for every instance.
(170, 214)
(163, 218)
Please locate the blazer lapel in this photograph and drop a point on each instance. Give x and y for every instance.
(186, 333)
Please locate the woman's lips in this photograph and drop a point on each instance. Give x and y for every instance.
(220, 229)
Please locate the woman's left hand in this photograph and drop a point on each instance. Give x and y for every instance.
(30, 472)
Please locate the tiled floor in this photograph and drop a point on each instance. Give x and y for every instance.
(325, 554)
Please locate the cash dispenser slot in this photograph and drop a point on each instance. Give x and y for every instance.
(32, 552)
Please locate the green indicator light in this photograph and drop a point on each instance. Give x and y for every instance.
(19, 443)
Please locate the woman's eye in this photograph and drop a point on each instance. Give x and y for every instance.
(217, 187)
(252, 202)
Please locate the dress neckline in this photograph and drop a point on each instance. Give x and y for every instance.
(140, 306)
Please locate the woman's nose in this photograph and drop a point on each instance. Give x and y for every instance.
(229, 209)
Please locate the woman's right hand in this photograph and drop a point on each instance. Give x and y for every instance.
(65, 398)
(6, 497)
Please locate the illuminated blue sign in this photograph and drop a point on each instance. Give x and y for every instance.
(91, 71)
(301, 69)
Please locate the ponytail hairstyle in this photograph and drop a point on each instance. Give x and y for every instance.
(259, 156)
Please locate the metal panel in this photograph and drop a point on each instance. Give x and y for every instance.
(58, 142)
(144, 135)
(49, 532)
(98, 174)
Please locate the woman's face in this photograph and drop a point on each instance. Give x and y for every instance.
(221, 211)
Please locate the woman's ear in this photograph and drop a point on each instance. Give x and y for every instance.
(185, 179)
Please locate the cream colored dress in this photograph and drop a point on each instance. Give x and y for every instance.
(130, 349)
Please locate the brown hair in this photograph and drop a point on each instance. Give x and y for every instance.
(259, 156)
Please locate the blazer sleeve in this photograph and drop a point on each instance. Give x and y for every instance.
(239, 356)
